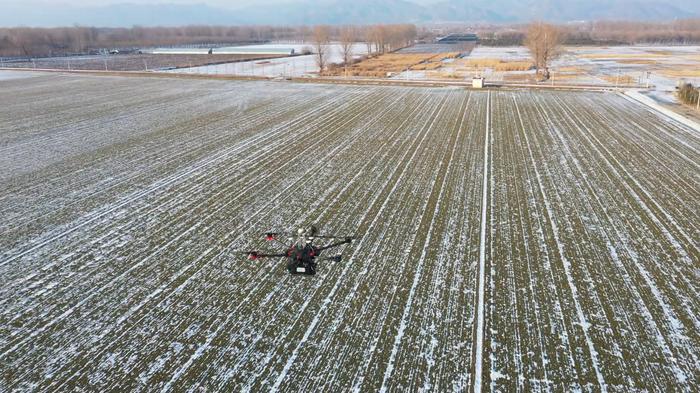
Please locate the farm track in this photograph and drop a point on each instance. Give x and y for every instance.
(572, 218)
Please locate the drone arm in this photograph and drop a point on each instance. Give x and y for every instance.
(254, 255)
(271, 255)
(347, 240)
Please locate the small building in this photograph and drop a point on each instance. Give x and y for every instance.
(478, 82)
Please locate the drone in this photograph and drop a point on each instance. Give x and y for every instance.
(300, 252)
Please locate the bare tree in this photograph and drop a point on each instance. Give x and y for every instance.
(380, 34)
(321, 39)
(366, 34)
(347, 39)
(544, 41)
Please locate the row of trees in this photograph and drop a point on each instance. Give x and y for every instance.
(34, 42)
(378, 38)
(685, 31)
(24, 41)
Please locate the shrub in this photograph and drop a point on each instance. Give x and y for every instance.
(688, 94)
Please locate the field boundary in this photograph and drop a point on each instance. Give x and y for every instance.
(335, 81)
(636, 97)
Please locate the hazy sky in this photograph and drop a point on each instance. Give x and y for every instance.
(216, 3)
(103, 13)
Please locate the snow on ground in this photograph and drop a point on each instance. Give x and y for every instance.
(564, 224)
(650, 102)
(603, 65)
(8, 75)
(506, 53)
(295, 66)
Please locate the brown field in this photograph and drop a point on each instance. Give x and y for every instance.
(519, 77)
(681, 73)
(661, 52)
(621, 80)
(497, 64)
(395, 62)
(638, 61)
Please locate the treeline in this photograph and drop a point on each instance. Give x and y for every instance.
(384, 38)
(35, 42)
(686, 31)
(24, 41)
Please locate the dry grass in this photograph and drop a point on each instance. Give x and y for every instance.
(452, 75)
(396, 62)
(570, 69)
(661, 52)
(638, 61)
(682, 73)
(426, 66)
(620, 80)
(497, 64)
(519, 77)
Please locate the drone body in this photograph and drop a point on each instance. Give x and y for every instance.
(301, 254)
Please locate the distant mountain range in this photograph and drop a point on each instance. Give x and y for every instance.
(297, 12)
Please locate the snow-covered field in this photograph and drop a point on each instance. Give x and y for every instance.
(294, 66)
(663, 67)
(562, 227)
(7, 75)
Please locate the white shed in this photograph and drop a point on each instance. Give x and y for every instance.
(478, 83)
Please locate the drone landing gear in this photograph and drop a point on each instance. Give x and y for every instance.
(298, 267)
